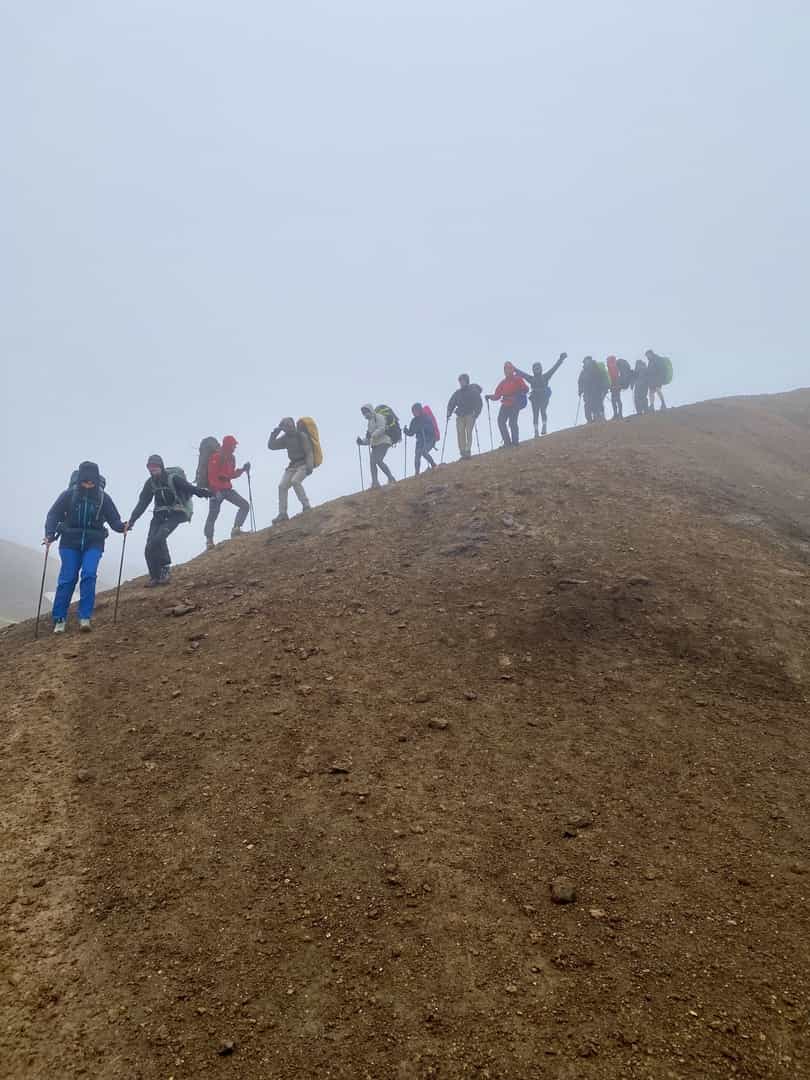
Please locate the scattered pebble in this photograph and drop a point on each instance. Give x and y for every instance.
(563, 891)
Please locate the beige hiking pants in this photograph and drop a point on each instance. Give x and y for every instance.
(465, 426)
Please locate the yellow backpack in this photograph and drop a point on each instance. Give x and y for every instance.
(307, 424)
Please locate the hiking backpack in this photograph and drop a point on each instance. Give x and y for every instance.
(181, 502)
(392, 428)
(625, 374)
(307, 424)
(437, 434)
(521, 400)
(208, 446)
(666, 370)
(603, 375)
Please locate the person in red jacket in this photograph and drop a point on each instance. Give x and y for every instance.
(615, 387)
(512, 393)
(221, 471)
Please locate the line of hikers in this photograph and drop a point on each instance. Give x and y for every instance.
(80, 515)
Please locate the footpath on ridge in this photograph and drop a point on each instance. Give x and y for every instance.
(299, 814)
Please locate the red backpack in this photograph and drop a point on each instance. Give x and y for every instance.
(613, 370)
(426, 409)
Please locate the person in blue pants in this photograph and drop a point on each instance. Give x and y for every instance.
(78, 518)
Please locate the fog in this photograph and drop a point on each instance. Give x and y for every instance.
(214, 215)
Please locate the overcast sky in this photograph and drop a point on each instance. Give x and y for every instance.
(218, 213)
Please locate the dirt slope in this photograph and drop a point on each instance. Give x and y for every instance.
(249, 824)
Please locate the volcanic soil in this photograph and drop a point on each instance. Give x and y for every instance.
(311, 810)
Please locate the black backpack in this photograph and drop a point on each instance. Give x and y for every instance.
(208, 446)
(625, 374)
(392, 428)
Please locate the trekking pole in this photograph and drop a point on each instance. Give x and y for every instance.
(405, 455)
(579, 406)
(444, 440)
(477, 440)
(360, 459)
(250, 500)
(120, 572)
(42, 587)
(489, 417)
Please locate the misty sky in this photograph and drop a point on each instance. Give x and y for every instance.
(216, 214)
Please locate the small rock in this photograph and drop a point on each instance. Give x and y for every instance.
(563, 891)
(227, 1048)
(597, 913)
(510, 988)
(508, 520)
(422, 698)
(340, 767)
(181, 609)
(470, 695)
(570, 583)
(639, 579)
(438, 723)
(84, 776)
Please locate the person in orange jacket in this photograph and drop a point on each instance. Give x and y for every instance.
(512, 392)
(221, 471)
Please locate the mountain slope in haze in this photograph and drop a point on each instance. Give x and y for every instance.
(20, 579)
(309, 827)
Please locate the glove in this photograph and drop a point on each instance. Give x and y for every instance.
(48, 541)
(563, 355)
(206, 494)
(359, 441)
(246, 467)
(125, 528)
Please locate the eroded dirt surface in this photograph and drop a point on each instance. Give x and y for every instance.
(318, 816)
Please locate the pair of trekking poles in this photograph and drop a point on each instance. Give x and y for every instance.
(120, 565)
(405, 451)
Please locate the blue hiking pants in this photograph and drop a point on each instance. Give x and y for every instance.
(72, 563)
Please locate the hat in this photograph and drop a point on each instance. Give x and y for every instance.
(154, 459)
(89, 472)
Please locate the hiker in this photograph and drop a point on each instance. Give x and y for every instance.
(641, 388)
(512, 393)
(379, 441)
(172, 494)
(594, 384)
(659, 370)
(541, 391)
(466, 403)
(221, 471)
(78, 517)
(423, 429)
(298, 444)
(615, 388)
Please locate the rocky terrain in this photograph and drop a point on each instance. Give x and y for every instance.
(502, 772)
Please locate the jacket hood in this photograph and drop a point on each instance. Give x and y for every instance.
(611, 359)
(366, 408)
(155, 459)
(88, 470)
(229, 444)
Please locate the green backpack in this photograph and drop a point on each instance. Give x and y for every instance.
(603, 375)
(184, 505)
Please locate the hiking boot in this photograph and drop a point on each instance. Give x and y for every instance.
(392, 479)
(236, 532)
(152, 582)
(165, 576)
(209, 545)
(537, 432)
(59, 626)
(544, 430)
(279, 519)
(304, 509)
(84, 626)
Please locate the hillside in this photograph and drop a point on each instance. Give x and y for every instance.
(308, 828)
(20, 577)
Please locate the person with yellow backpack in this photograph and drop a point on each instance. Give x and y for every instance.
(303, 446)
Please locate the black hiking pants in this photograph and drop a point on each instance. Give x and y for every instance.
(161, 527)
(594, 408)
(616, 403)
(377, 459)
(508, 424)
(422, 452)
(215, 505)
(540, 400)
